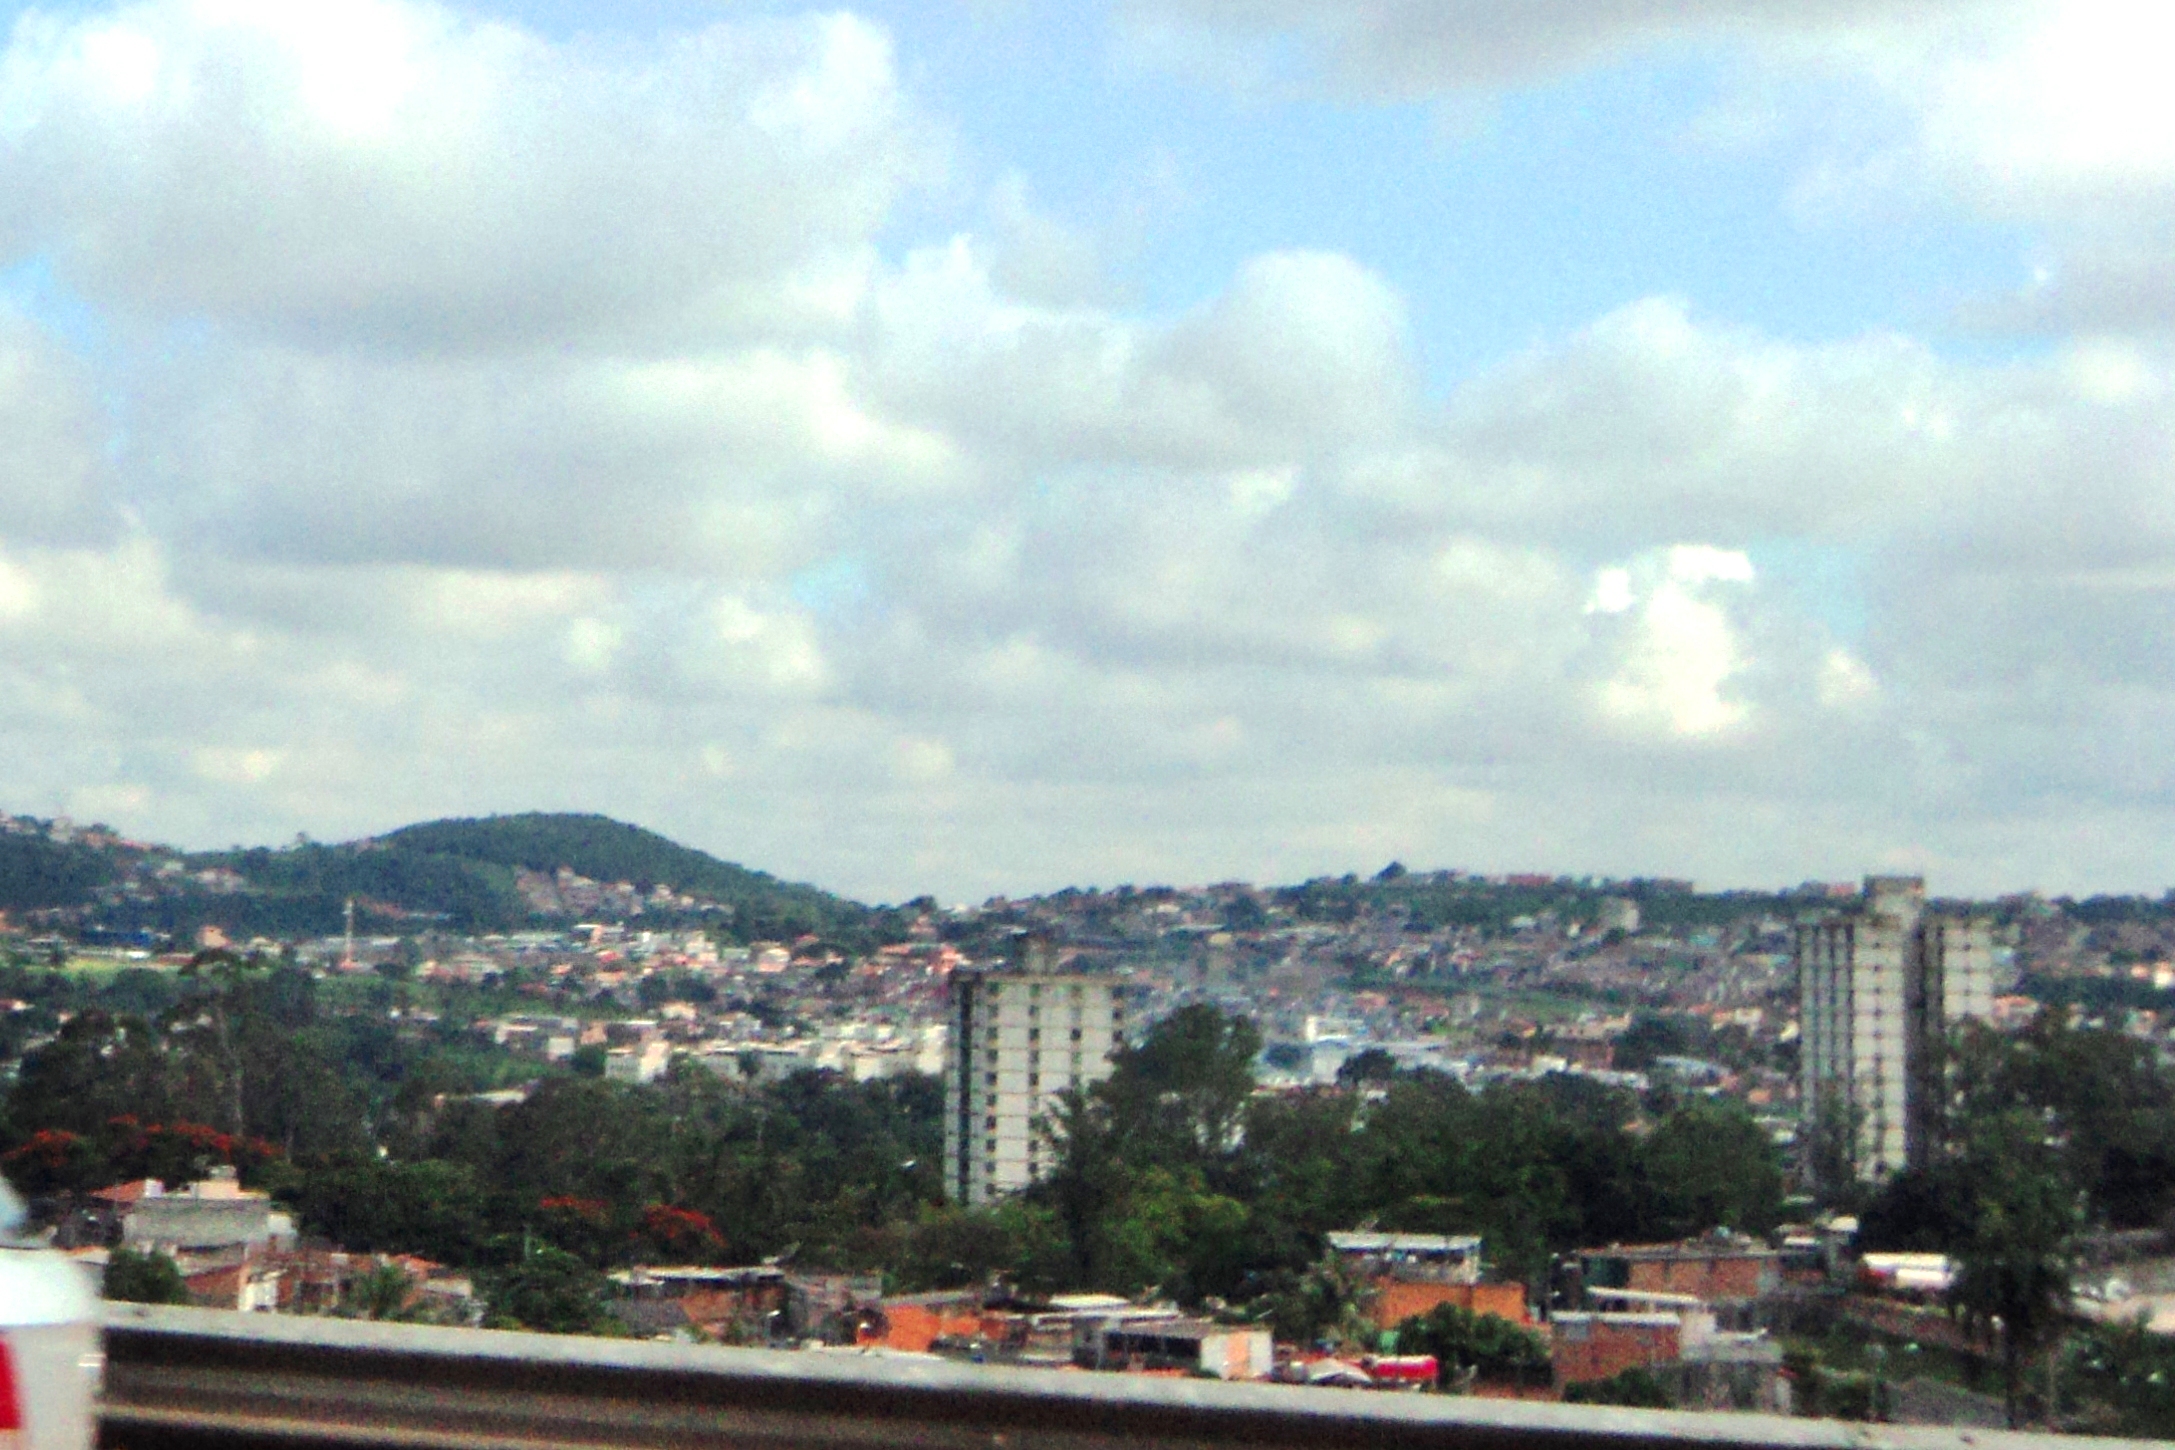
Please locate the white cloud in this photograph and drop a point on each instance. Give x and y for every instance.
(591, 644)
(52, 480)
(2052, 115)
(237, 767)
(923, 761)
(1684, 651)
(472, 463)
(1365, 615)
(775, 649)
(708, 461)
(1612, 592)
(1845, 680)
(2071, 97)
(1406, 48)
(388, 170)
(1304, 352)
(2049, 114)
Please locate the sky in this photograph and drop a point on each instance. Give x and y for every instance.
(981, 446)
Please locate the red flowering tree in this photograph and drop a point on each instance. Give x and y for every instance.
(179, 1152)
(677, 1235)
(581, 1226)
(53, 1160)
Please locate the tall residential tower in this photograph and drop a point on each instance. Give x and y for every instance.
(1879, 986)
(1019, 1037)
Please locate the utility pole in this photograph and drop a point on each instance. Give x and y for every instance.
(347, 954)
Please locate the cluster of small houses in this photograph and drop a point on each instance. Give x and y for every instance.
(1691, 1313)
(641, 1049)
(235, 1251)
(1684, 1312)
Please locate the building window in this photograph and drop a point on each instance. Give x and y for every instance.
(991, 1122)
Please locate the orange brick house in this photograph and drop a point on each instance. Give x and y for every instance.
(1407, 1274)
(1398, 1300)
(1597, 1346)
(1726, 1271)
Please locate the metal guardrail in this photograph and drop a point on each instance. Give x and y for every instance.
(189, 1379)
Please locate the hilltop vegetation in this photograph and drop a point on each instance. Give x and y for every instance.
(460, 875)
(607, 850)
(302, 888)
(36, 871)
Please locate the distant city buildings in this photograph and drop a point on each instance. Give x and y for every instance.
(1019, 1037)
(1879, 984)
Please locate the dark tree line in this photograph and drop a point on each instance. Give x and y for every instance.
(2048, 1132)
(1171, 1173)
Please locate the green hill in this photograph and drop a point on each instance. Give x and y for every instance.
(302, 888)
(456, 875)
(36, 871)
(607, 850)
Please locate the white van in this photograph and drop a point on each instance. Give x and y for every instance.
(49, 1346)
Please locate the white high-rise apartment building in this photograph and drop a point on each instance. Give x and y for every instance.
(1879, 985)
(1019, 1037)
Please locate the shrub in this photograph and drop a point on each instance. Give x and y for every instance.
(1635, 1387)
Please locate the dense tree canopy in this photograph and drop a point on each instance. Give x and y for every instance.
(2047, 1131)
(1172, 1173)
(1152, 1188)
(144, 1278)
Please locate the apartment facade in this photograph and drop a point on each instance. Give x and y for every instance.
(1019, 1037)
(1879, 985)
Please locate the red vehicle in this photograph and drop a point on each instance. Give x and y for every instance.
(1401, 1370)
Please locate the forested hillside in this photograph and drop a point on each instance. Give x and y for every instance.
(607, 850)
(455, 875)
(37, 871)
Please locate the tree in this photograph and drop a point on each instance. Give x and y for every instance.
(1486, 1343)
(1829, 1160)
(1087, 1182)
(2110, 1103)
(1654, 1034)
(98, 1068)
(433, 1208)
(144, 1278)
(1371, 1065)
(1920, 1210)
(948, 1247)
(547, 1290)
(383, 1293)
(2013, 1276)
(1712, 1166)
(1321, 1303)
(1296, 1168)
(1178, 1096)
(1635, 1387)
